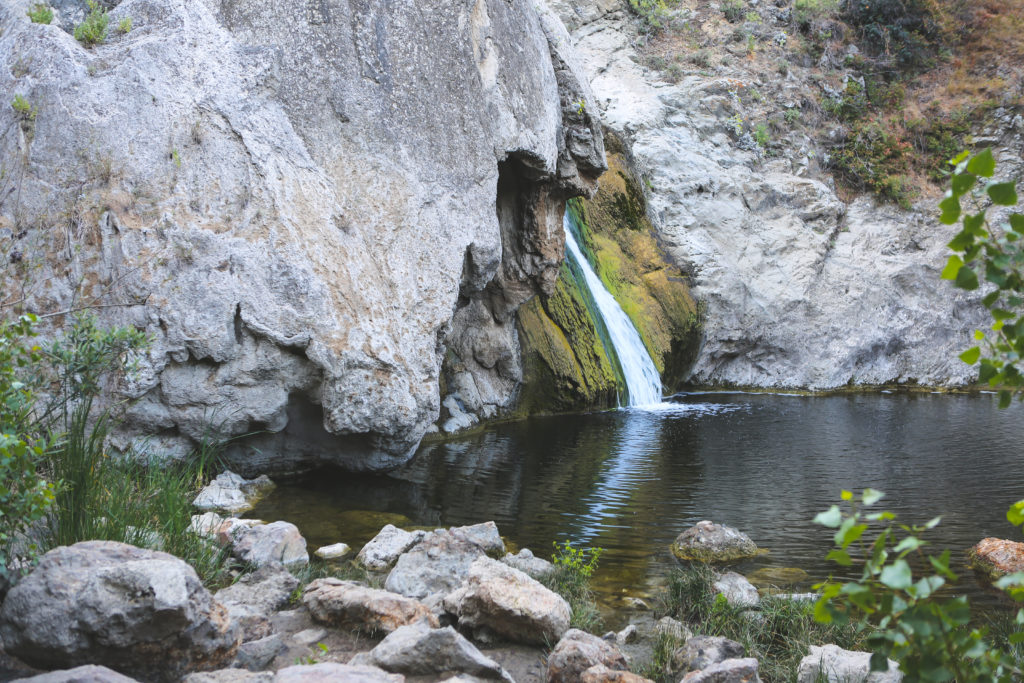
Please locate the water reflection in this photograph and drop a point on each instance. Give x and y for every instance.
(631, 480)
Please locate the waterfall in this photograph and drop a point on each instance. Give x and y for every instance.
(643, 383)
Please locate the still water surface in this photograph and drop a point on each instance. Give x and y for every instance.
(630, 480)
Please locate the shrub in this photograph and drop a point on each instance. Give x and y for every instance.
(653, 13)
(733, 10)
(874, 158)
(93, 30)
(995, 256)
(40, 13)
(761, 135)
(938, 139)
(125, 25)
(912, 32)
(23, 108)
(805, 12)
(928, 635)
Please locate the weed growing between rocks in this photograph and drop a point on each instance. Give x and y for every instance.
(571, 580)
(40, 13)
(778, 633)
(93, 30)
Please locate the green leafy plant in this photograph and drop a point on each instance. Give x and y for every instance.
(571, 579)
(733, 10)
(40, 13)
(761, 135)
(23, 108)
(125, 25)
(654, 14)
(874, 158)
(792, 115)
(806, 12)
(93, 30)
(983, 253)
(929, 635)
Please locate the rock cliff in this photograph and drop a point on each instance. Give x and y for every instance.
(802, 289)
(325, 214)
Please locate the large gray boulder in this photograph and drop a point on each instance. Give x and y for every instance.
(707, 541)
(350, 605)
(700, 652)
(435, 566)
(382, 551)
(498, 600)
(419, 650)
(578, 651)
(371, 190)
(258, 544)
(142, 612)
(726, 671)
(525, 561)
(833, 664)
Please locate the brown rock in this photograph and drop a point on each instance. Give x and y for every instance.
(600, 673)
(350, 605)
(577, 652)
(997, 557)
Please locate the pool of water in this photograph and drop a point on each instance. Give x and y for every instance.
(629, 481)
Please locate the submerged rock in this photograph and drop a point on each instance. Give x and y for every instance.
(232, 493)
(384, 549)
(349, 605)
(142, 612)
(500, 600)
(706, 541)
(578, 651)
(996, 557)
(777, 576)
(419, 650)
(832, 664)
(335, 551)
(700, 652)
(726, 671)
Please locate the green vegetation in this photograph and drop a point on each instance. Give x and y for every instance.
(93, 30)
(761, 135)
(733, 10)
(40, 13)
(125, 25)
(805, 12)
(995, 256)
(778, 633)
(23, 108)
(900, 593)
(876, 160)
(654, 14)
(571, 580)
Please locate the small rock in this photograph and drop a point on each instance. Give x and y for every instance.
(484, 535)
(599, 673)
(737, 590)
(778, 576)
(673, 629)
(350, 605)
(833, 664)
(437, 565)
(263, 544)
(143, 612)
(525, 561)
(311, 636)
(386, 547)
(635, 604)
(709, 542)
(329, 672)
(700, 652)
(418, 650)
(727, 671)
(206, 524)
(996, 557)
(88, 673)
(335, 551)
(627, 635)
(257, 655)
(807, 597)
(232, 493)
(576, 652)
(504, 601)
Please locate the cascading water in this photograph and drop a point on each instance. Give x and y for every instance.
(643, 383)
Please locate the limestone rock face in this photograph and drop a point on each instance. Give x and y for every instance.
(142, 612)
(349, 605)
(706, 541)
(256, 596)
(800, 288)
(309, 209)
(498, 600)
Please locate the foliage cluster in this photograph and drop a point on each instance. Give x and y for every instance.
(876, 160)
(994, 256)
(900, 592)
(778, 634)
(23, 108)
(40, 13)
(93, 30)
(910, 33)
(655, 15)
(571, 579)
(806, 12)
(734, 10)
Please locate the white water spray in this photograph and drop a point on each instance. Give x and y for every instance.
(642, 379)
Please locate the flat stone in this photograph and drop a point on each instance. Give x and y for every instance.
(709, 542)
(778, 576)
(384, 549)
(419, 650)
(311, 636)
(996, 557)
(232, 493)
(335, 551)
(257, 655)
(832, 664)
(230, 676)
(350, 605)
(599, 673)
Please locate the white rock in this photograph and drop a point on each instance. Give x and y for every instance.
(261, 544)
(833, 664)
(335, 551)
(737, 590)
(726, 671)
(310, 636)
(206, 524)
(384, 549)
(525, 561)
(232, 493)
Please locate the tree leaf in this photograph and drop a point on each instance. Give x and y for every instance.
(840, 557)
(983, 163)
(962, 183)
(871, 496)
(1015, 514)
(950, 207)
(966, 279)
(953, 267)
(897, 575)
(971, 355)
(831, 518)
(1003, 194)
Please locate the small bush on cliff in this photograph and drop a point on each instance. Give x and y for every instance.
(93, 30)
(40, 13)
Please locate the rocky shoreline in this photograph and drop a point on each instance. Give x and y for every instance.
(447, 604)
